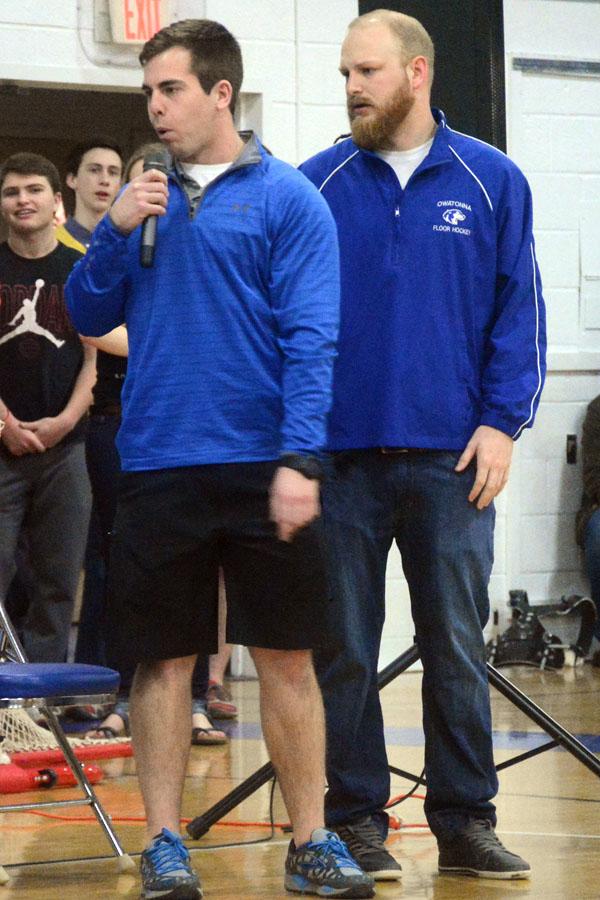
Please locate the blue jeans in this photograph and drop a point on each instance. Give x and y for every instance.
(446, 545)
(592, 562)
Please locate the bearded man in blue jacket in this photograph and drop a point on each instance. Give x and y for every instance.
(440, 367)
(231, 343)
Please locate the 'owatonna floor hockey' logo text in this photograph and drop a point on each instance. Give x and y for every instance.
(454, 213)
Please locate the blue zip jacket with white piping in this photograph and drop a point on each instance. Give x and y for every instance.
(232, 331)
(442, 318)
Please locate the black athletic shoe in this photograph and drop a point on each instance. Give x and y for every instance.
(166, 870)
(324, 867)
(365, 843)
(477, 851)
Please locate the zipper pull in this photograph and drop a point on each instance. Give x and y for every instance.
(397, 212)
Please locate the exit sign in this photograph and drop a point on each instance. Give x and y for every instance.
(136, 21)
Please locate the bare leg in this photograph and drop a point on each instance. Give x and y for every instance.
(161, 716)
(294, 728)
(217, 662)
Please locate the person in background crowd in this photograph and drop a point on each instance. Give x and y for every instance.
(587, 529)
(46, 378)
(94, 171)
(440, 367)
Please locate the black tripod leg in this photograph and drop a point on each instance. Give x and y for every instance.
(541, 718)
(397, 666)
(201, 824)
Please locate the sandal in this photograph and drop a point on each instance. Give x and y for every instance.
(107, 732)
(205, 736)
(104, 733)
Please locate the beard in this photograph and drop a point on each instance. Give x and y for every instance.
(376, 130)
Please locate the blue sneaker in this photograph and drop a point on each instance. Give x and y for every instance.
(166, 870)
(323, 866)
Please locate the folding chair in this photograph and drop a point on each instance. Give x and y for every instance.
(49, 685)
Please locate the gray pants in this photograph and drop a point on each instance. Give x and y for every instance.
(48, 496)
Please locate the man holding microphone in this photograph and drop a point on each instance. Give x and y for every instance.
(232, 336)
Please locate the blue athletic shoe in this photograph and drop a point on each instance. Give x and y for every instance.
(323, 866)
(166, 870)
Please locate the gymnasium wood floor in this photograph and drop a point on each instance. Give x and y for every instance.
(548, 810)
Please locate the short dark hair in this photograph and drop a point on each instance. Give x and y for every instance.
(31, 164)
(215, 53)
(79, 150)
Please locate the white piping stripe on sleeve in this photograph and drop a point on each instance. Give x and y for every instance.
(478, 140)
(487, 196)
(331, 174)
(537, 349)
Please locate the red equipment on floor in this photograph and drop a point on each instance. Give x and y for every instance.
(15, 779)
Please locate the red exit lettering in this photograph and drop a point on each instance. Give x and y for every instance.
(142, 19)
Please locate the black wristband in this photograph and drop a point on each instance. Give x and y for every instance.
(309, 466)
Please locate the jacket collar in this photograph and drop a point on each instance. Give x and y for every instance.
(250, 154)
(439, 152)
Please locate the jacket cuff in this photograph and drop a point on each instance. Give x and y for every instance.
(509, 426)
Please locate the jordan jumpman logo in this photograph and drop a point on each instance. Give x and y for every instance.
(28, 318)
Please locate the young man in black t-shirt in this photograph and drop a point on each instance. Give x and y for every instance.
(46, 378)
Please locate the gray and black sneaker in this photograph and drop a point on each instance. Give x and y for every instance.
(365, 843)
(477, 851)
(166, 870)
(324, 867)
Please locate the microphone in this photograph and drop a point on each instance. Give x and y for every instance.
(155, 159)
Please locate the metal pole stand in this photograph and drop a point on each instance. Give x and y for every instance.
(560, 737)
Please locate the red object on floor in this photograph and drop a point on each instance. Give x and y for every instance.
(34, 758)
(15, 779)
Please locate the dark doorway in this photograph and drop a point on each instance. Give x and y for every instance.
(50, 120)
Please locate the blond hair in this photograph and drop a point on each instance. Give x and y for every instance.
(412, 37)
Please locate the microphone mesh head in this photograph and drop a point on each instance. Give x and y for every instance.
(157, 159)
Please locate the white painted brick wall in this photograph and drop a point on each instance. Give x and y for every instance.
(551, 27)
(264, 21)
(290, 47)
(554, 134)
(562, 311)
(51, 13)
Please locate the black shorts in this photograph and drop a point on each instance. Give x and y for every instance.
(174, 528)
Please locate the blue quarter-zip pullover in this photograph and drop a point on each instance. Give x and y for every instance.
(232, 332)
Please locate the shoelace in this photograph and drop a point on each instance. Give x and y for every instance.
(484, 837)
(333, 846)
(161, 855)
(361, 834)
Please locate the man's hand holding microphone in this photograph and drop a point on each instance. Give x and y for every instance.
(143, 200)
